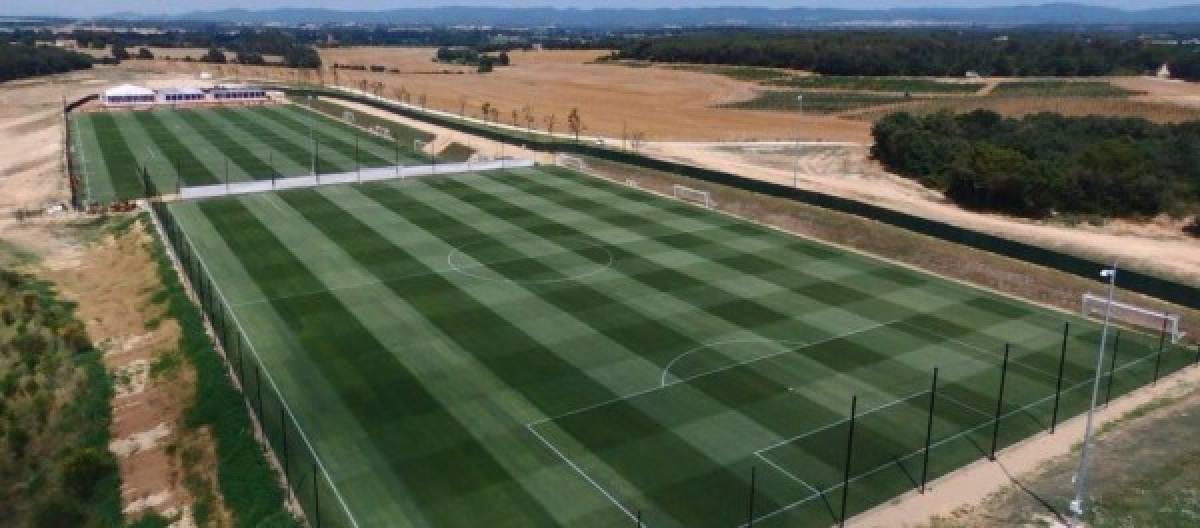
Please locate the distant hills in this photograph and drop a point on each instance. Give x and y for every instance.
(1056, 14)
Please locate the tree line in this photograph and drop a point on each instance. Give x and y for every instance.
(1046, 164)
(18, 61)
(932, 53)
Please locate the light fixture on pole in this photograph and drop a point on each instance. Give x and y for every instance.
(796, 165)
(1081, 476)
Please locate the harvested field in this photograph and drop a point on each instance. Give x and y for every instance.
(664, 104)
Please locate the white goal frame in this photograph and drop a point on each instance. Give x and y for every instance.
(1093, 305)
(689, 194)
(572, 162)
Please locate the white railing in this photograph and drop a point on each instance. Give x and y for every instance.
(363, 175)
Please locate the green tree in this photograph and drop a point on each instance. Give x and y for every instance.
(214, 56)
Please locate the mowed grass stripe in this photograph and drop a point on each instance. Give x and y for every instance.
(193, 170)
(825, 291)
(119, 160)
(867, 360)
(434, 454)
(297, 152)
(515, 357)
(377, 143)
(266, 148)
(250, 164)
(743, 389)
(327, 136)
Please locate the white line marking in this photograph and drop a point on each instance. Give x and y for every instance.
(262, 368)
(596, 268)
(711, 372)
(965, 405)
(842, 421)
(786, 472)
(581, 472)
(939, 443)
(793, 345)
(981, 349)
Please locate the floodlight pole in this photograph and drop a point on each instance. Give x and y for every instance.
(1077, 505)
(796, 165)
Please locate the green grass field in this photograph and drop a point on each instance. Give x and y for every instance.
(213, 145)
(816, 102)
(535, 347)
(879, 84)
(1059, 89)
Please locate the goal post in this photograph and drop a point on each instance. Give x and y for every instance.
(1094, 306)
(572, 162)
(689, 194)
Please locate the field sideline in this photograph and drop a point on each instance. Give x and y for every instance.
(534, 347)
(205, 146)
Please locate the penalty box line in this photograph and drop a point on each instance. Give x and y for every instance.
(939, 443)
(532, 427)
(687, 379)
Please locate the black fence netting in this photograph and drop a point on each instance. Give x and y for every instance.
(1136, 281)
(311, 486)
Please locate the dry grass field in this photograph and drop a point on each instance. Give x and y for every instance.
(663, 104)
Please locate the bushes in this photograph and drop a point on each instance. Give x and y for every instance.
(54, 415)
(1045, 164)
(83, 469)
(248, 485)
(940, 53)
(18, 61)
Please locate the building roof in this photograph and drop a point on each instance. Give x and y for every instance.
(127, 90)
(179, 91)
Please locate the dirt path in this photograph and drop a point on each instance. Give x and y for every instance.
(1012, 491)
(113, 279)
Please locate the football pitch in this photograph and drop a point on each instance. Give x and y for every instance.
(534, 347)
(205, 146)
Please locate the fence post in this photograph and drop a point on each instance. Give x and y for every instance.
(750, 512)
(999, 403)
(1112, 367)
(241, 371)
(849, 451)
(1062, 363)
(929, 430)
(1162, 341)
(316, 495)
(283, 436)
(258, 390)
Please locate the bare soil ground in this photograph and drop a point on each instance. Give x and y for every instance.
(113, 278)
(1141, 475)
(664, 104)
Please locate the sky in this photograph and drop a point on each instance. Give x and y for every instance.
(100, 7)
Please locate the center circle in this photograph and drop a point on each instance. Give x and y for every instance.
(529, 259)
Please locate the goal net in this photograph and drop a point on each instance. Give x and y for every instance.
(692, 195)
(1094, 306)
(572, 162)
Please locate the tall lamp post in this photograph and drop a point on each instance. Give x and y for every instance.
(796, 164)
(1081, 476)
